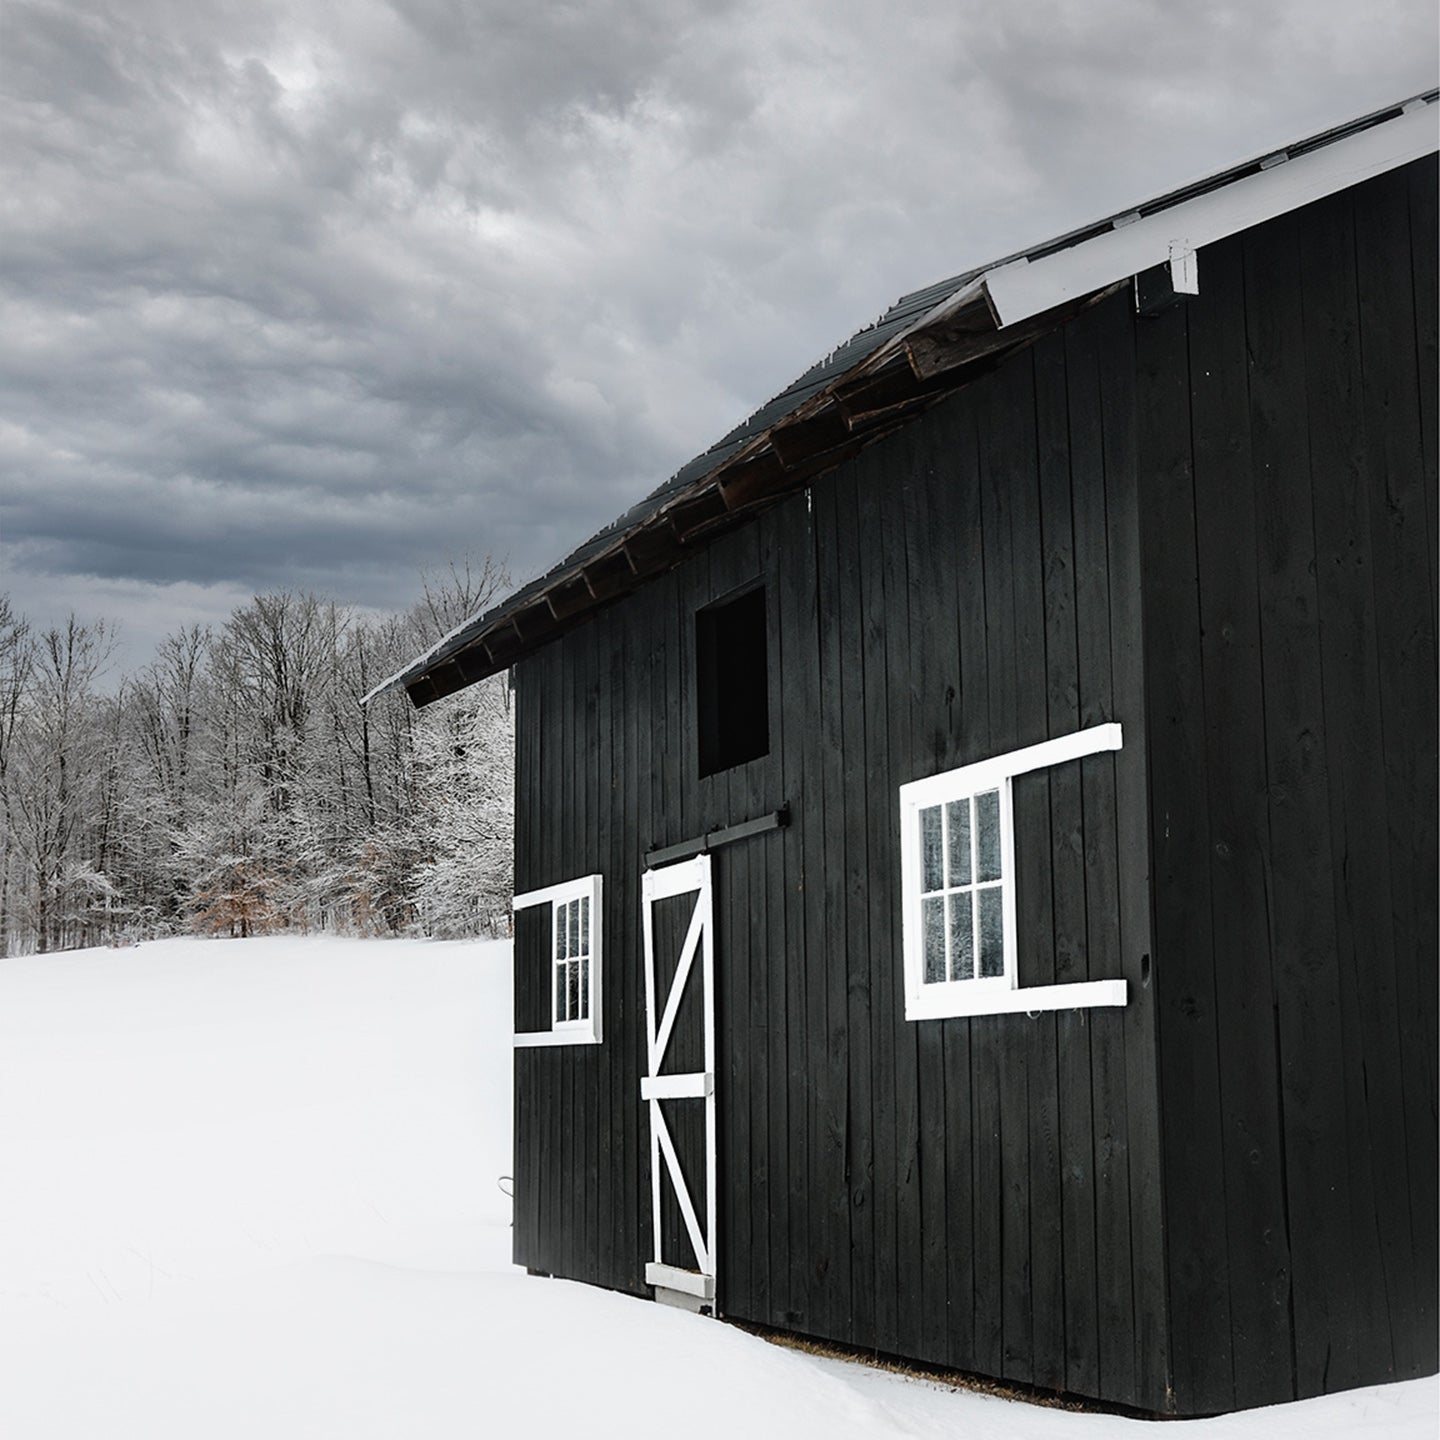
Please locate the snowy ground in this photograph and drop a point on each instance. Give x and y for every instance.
(249, 1189)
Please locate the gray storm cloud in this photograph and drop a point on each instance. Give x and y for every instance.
(310, 295)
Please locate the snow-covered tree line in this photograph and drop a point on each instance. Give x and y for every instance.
(237, 785)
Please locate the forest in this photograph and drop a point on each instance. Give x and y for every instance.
(236, 785)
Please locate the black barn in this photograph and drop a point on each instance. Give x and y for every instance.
(976, 824)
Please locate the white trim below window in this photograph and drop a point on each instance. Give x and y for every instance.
(957, 876)
(573, 974)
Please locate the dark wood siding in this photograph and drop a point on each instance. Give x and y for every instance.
(976, 1193)
(1288, 469)
(1217, 526)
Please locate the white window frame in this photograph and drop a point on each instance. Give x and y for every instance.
(568, 1032)
(999, 994)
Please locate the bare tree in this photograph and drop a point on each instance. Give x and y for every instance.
(239, 784)
(57, 757)
(464, 753)
(462, 591)
(17, 660)
(166, 713)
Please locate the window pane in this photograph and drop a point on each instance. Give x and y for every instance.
(574, 927)
(962, 936)
(957, 826)
(992, 932)
(584, 925)
(559, 992)
(585, 988)
(987, 830)
(932, 931)
(562, 931)
(572, 988)
(931, 875)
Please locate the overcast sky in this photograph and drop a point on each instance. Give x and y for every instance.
(311, 295)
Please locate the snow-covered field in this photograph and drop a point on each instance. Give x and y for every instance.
(248, 1188)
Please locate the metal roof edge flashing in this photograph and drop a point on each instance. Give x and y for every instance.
(1042, 281)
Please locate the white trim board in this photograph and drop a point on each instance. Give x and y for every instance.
(695, 1085)
(683, 878)
(549, 894)
(590, 1031)
(1024, 287)
(688, 1282)
(677, 879)
(523, 1039)
(991, 994)
(979, 997)
(986, 774)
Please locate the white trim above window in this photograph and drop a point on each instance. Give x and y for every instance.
(957, 876)
(574, 970)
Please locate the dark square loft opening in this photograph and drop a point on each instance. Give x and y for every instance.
(732, 682)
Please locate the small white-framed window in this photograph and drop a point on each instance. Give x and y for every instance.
(575, 961)
(957, 875)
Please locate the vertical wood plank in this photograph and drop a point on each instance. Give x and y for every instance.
(789, 1235)
(569, 1138)
(1078, 596)
(1422, 182)
(621, 871)
(587, 751)
(924, 611)
(901, 738)
(821, 846)
(1422, 849)
(601, 812)
(761, 792)
(770, 957)
(1108, 1077)
(1395, 826)
(998, 1077)
(842, 706)
(1302, 916)
(862, 875)
(1108, 1083)
(965, 1176)
(1353, 739)
(1108, 1074)
(552, 1062)
(648, 668)
(1054, 599)
(1233, 682)
(1026, 1124)
(1183, 906)
(1116, 322)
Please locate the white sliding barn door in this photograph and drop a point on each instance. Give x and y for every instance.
(679, 1083)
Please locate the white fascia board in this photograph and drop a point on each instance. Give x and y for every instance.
(1024, 288)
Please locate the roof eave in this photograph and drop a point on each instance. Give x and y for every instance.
(937, 354)
(989, 315)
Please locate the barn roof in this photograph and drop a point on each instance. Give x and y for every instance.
(927, 345)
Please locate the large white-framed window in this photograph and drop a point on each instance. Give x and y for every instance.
(957, 876)
(575, 961)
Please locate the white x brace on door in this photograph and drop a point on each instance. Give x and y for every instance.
(691, 1087)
